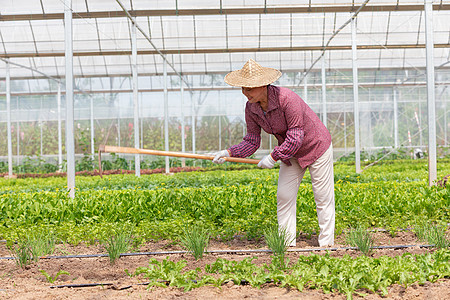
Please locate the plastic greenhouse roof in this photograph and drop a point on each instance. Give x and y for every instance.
(203, 36)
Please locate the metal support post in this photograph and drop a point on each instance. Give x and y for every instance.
(18, 137)
(118, 125)
(324, 93)
(8, 119)
(355, 98)
(141, 128)
(17, 132)
(92, 127)
(345, 131)
(40, 127)
(220, 121)
(183, 133)
(166, 116)
(70, 142)
(432, 167)
(58, 100)
(395, 94)
(445, 122)
(137, 160)
(193, 122)
(40, 130)
(305, 88)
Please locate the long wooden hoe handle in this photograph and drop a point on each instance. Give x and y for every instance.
(117, 149)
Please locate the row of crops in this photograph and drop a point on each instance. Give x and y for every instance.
(393, 195)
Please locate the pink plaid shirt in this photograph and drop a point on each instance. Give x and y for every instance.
(299, 131)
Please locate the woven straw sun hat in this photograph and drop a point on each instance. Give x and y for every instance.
(252, 75)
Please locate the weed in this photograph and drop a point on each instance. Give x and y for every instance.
(362, 239)
(53, 279)
(32, 247)
(128, 273)
(41, 245)
(195, 240)
(433, 234)
(278, 241)
(116, 245)
(22, 253)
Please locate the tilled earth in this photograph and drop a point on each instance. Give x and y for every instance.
(30, 283)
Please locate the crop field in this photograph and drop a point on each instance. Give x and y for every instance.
(55, 246)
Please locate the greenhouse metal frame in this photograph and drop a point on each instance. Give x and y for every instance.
(149, 74)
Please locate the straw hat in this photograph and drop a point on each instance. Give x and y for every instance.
(252, 75)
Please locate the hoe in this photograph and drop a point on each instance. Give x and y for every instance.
(129, 150)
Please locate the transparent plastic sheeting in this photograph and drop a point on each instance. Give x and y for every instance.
(203, 48)
(384, 96)
(215, 43)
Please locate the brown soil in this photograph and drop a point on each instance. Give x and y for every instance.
(30, 283)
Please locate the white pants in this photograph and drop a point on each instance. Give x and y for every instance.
(322, 179)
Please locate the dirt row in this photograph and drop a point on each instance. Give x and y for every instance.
(30, 283)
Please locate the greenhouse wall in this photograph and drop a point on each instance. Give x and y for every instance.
(217, 111)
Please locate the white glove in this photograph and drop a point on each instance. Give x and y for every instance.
(267, 162)
(218, 156)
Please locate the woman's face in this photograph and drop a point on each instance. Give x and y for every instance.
(255, 95)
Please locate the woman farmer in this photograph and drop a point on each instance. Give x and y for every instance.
(303, 143)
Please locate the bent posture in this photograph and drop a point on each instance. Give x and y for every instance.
(303, 143)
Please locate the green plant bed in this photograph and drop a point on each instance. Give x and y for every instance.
(227, 210)
(203, 178)
(232, 174)
(346, 275)
(229, 202)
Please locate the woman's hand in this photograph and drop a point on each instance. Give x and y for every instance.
(218, 156)
(267, 162)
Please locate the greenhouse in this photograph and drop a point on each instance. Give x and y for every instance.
(149, 74)
(81, 76)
